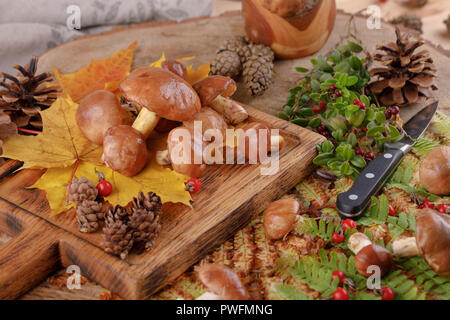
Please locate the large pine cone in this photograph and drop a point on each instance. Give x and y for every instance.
(82, 189)
(257, 74)
(226, 63)
(117, 235)
(404, 76)
(88, 214)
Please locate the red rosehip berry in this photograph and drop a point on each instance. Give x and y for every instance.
(391, 211)
(322, 105)
(388, 114)
(337, 237)
(356, 102)
(104, 188)
(316, 109)
(362, 106)
(193, 185)
(364, 129)
(340, 275)
(338, 93)
(340, 294)
(443, 208)
(348, 223)
(427, 204)
(387, 293)
(332, 87)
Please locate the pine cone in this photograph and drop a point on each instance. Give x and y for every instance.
(409, 21)
(117, 235)
(257, 74)
(82, 189)
(226, 63)
(146, 224)
(405, 76)
(25, 95)
(233, 45)
(88, 214)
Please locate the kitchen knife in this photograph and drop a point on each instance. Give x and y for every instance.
(352, 203)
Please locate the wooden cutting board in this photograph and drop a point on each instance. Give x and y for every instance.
(230, 194)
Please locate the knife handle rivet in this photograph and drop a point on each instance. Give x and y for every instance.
(370, 175)
(353, 197)
(387, 155)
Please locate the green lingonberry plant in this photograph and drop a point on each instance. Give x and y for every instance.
(330, 99)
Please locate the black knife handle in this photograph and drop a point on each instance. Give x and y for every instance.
(352, 203)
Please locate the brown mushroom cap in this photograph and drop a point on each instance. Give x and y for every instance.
(434, 171)
(222, 281)
(279, 218)
(97, 112)
(433, 240)
(373, 255)
(209, 88)
(125, 150)
(161, 92)
(175, 67)
(210, 120)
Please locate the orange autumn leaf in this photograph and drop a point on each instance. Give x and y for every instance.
(105, 74)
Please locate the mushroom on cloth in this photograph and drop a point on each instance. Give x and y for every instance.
(432, 241)
(222, 282)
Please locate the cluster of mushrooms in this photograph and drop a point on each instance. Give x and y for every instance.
(165, 102)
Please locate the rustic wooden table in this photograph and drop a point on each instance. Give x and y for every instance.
(432, 14)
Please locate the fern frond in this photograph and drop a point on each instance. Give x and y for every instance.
(288, 292)
(266, 253)
(424, 145)
(244, 251)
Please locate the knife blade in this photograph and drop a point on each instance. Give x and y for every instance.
(352, 203)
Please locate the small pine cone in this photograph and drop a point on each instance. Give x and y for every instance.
(88, 214)
(82, 189)
(117, 235)
(149, 202)
(226, 63)
(146, 225)
(409, 21)
(234, 44)
(261, 50)
(257, 74)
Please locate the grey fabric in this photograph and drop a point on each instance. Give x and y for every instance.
(30, 27)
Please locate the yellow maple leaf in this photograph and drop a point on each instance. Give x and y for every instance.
(166, 183)
(60, 144)
(192, 75)
(105, 74)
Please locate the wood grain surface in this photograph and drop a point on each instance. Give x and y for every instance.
(230, 195)
(176, 41)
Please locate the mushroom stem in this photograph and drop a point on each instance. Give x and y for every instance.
(145, 122)
(405, 247)
(233, 112)
(357, 241)
(163, 158)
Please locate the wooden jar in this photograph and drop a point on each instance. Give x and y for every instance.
(292, 28)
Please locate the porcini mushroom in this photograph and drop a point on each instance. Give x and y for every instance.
(279, 218)
(124, 150)
(369, 254)
(214, 91)
(434, 171)
(432, 241)
(209, 120)
(159, 93)
(175, 67)
(222, 282)
(97, 112)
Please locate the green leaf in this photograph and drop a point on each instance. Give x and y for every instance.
(355, 47)
(300, 121)
(323, 158)
(358, 162)
(315, 122)
(301, 69)
(355, 63)
(352, 80)
(283, 115)
(374, 131)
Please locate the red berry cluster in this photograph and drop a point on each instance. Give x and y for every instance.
(426, 204)
(391, 211)
(322, 105)
(193, 185)
(360, 104)
(334, 93)
(391, 111)
(338, 236)
(443, 208)
(323, 130)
